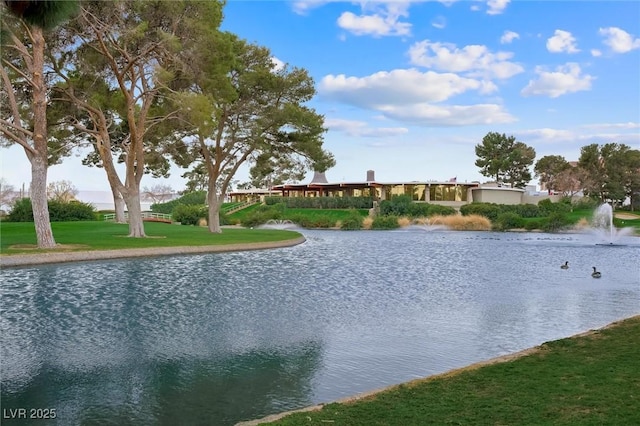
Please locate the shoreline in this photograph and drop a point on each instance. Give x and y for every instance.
(449, 373)
(19, 260)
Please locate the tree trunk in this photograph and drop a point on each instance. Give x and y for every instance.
(39, 165)
(38, 194)
(118, 203)
(136, 224)
(214, 201)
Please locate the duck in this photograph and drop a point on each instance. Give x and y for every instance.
(595, 274)
(565, 266)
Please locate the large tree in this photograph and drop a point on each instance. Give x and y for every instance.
(255, 115)
(505, 159)
(133, 49)
(24, 97)
(613, 171)
(548, 168)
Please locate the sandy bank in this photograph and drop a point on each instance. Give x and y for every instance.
(79, 256)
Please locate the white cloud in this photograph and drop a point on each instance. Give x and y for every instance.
(375, 25)
(508, 37)
(362, 129)
(496, 7)
(398, 86)
(302, 7)
(628, 125)
(439, 22)
(449, 115)
(596, 53)
(277, 64)
(476, 59)
(619, 40)
(582, 134)
(546, 134)
(565, 79)
(410, 95)
(562, 41)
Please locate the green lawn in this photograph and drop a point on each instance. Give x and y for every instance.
(111, 236)
(587, 380)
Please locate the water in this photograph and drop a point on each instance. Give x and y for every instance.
(279, 224)
(219, 338)
(602, 226)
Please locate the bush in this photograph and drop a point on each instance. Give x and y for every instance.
(532, 224)
(508, 220)
(321, 222)
(488, 210)
(189, 214)
(196, 198)
(59, 211)
(262, 214)
(527, 210)
(398, 205)
(322, 202)
(352, 222)
(586, 204)
(556, 222)
(547, 207)
(385, 222)
(438, 210)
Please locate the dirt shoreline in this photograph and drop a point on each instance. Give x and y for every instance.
(474, 366)
(18, 260)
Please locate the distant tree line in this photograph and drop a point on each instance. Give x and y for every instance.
(609, 172)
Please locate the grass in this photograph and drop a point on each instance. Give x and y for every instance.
(592, 379)
(113, 236)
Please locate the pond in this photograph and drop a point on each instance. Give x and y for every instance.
(220, 338)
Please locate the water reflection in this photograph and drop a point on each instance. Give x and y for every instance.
(214, 339)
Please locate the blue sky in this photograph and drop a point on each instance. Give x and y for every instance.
(408, 88)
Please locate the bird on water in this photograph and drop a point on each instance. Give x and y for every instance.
(565, 266)
(595, 274)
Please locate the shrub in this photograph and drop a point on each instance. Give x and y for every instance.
(352, 222)
(398, 205)
(417, 210)
(438, 210)
(527, 210)
(367, 222)
(404, 221)
(547, 207)
(189, 214)
(462, 223)
(22, 211)
(263, 214)
(488, 210)
(556, 222)
(322, 222)
(586, 204)
(197, 198)
(59, 211)
(508, 220)
(322, 202)
(385, 222)
(532, 224)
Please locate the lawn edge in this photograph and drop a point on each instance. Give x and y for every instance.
(477, 365)
(18, 260)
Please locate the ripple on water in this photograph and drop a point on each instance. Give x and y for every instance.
(235, 336)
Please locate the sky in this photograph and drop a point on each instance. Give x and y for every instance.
(409, 88)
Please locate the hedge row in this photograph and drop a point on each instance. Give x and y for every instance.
(22, 211)
(402, 205)
(322, 202)
(492, 210)
(190, 199)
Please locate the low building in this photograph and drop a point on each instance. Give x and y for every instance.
(446, 193)
(450, 193)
